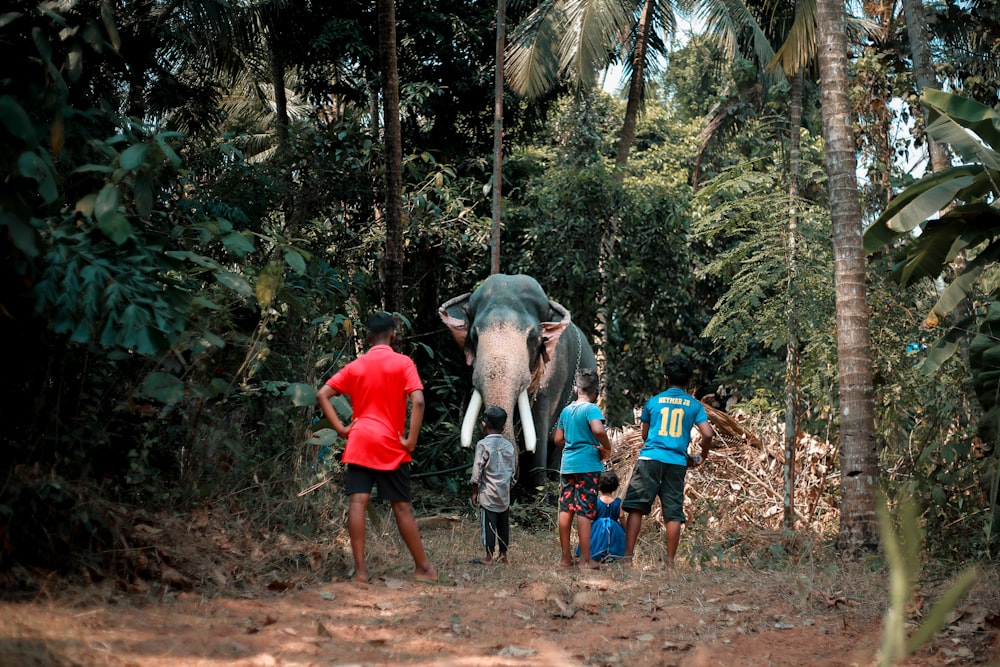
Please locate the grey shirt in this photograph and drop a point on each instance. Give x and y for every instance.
(493, 470)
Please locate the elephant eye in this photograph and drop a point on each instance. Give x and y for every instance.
(536, 346)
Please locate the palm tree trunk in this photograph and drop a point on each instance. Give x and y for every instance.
(393, 261)
(792, 347)
(627, 135)
(858, 460)
(280, 97)
(923, 71)
(498, 137)
(609, 233)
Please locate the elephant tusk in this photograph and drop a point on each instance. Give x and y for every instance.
(471, 414)
(527, 421)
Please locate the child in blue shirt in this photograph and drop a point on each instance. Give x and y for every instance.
(580, 432)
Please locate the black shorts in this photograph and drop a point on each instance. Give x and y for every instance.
(393, 485)
(652, 480)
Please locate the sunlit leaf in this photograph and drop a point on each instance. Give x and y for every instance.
(268, 283)
(238, 244)
(74, 63)
(133, 156)
(968, 113)
(108, 200)
(108, 16)
(899, 218)
(116, 227)
(295, 261)
(31, 165)
(234, 282)
(9, 17)
(301, 394)
(163, 387)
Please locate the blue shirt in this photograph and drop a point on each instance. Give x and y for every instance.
(580, 453)
(671, 415)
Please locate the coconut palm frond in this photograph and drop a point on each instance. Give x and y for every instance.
(728, 20)
(800, 45)
(531, 61)
(594, 28)
(663, 26)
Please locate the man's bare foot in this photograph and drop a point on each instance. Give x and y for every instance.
(428, 573)
(563, 563)
(589, 565)
(481, 561)
(503, 559)
(359, 577)
(626, 561)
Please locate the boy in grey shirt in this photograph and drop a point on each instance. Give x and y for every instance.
(492, 475)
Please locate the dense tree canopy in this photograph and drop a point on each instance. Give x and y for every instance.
(193, 232)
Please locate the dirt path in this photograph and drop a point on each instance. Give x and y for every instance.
(525, 613)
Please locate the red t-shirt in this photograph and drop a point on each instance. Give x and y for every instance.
(378, 384)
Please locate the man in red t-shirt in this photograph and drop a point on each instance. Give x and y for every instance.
(378, 385)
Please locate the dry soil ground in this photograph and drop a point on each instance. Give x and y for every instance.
(811, 612)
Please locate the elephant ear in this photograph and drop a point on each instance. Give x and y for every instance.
(552, 330)
(455, 314)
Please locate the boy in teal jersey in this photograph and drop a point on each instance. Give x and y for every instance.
(667, 420)
(580, 432)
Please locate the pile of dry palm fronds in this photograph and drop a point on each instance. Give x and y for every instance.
(741, 485)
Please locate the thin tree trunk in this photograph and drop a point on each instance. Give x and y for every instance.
(280, 96)
(393, 261)
(923, 72)
(373, 107)
(792, 347)
(858, 457)
(627, 135)
(609, 233)
(498, 137)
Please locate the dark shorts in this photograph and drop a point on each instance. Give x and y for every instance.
(393, 485)
(579, 494)
(652, 480)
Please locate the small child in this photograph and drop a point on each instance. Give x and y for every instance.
(492, 473)
(607, 536)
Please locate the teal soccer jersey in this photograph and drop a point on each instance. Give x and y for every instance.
(671, 415)
(580, 452)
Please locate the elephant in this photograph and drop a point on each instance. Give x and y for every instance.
(524, 351)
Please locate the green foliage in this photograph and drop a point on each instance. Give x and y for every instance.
(967, 194)
(743, 217)
(49, 522)
(902, 542)
(171, 302)
(557, 214)
(969, 225)
(696, 81)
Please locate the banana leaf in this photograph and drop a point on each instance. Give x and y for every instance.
(946, 111)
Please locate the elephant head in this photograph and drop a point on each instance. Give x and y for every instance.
(524, 352)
